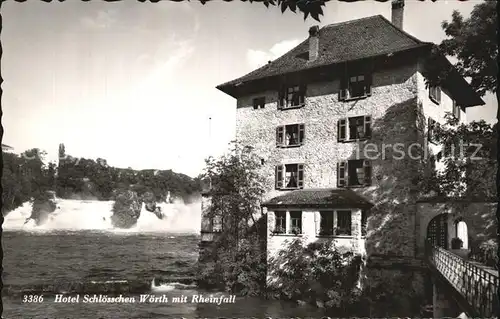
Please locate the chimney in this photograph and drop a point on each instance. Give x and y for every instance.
(313, 43)
(397, 13)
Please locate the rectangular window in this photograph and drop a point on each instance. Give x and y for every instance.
(217, 224)
(291, 97)
(355, 86)
(326, 223)
(354, 173)
(456, 110)
(290, 176)
(435, 94)
(290, 135)
(354, 128)
(343, 223)
(280, 224)
(259, 102)
(296, 222)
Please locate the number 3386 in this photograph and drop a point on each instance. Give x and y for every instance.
(32, 298)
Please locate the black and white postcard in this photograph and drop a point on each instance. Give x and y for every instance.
(249, 159)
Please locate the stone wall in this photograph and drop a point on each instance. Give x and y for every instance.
(392, 107)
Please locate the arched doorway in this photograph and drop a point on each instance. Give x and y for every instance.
(437, 231)
(462, 233)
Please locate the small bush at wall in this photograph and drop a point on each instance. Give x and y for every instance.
(456, 243)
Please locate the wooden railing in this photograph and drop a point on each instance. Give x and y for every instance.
(477, 286)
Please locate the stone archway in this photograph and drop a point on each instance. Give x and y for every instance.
(437, 231)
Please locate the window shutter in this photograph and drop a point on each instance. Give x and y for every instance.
(302, 94)
(368, 172)
(368, 83)
(279, 135)
(458, 111)
(341, 174)
(438, 94)
(301, 133)
(368, 126)
(342, 94)
(279, 176)
(300, 179)
(281, 98)
(342, 130)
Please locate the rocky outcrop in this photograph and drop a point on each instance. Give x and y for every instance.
(43, 206)
(150, 204)
(149, 201)
(126, 209)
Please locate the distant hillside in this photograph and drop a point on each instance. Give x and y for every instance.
(86, 178)
(26, 177)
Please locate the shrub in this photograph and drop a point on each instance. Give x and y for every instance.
(456, 243)
(319, 273)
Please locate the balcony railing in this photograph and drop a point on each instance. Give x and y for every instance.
(477, 285)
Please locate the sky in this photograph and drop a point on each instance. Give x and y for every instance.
(134, 83)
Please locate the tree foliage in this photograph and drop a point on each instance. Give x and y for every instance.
(468, 158)
(236, 187)
(25, 177)
(319, 273)
(474, 42)
(239, 253)
(89, 178)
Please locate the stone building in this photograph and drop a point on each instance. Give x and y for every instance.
(343, 124)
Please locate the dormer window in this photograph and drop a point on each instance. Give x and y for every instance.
(292, 97)
(355, 86)
(435, 94)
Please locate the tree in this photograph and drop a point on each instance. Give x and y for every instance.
(236, 192)
(469, 157)
(474, 43)
(236, 187)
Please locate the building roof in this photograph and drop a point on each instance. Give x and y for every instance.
(350, 41)
(339, 42)
(319, 197)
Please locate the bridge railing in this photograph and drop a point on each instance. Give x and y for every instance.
(477, 285)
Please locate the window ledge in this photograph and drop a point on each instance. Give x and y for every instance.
(354, 98)
(283, 108)
(289, 146)
(289, 188)
(434, 100)
(356, 186)
(355, 140)
(287, 235)
(335, 236)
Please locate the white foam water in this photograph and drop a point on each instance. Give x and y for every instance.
(74, 215)
(165, 287)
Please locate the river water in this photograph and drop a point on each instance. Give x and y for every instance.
(77, 253)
